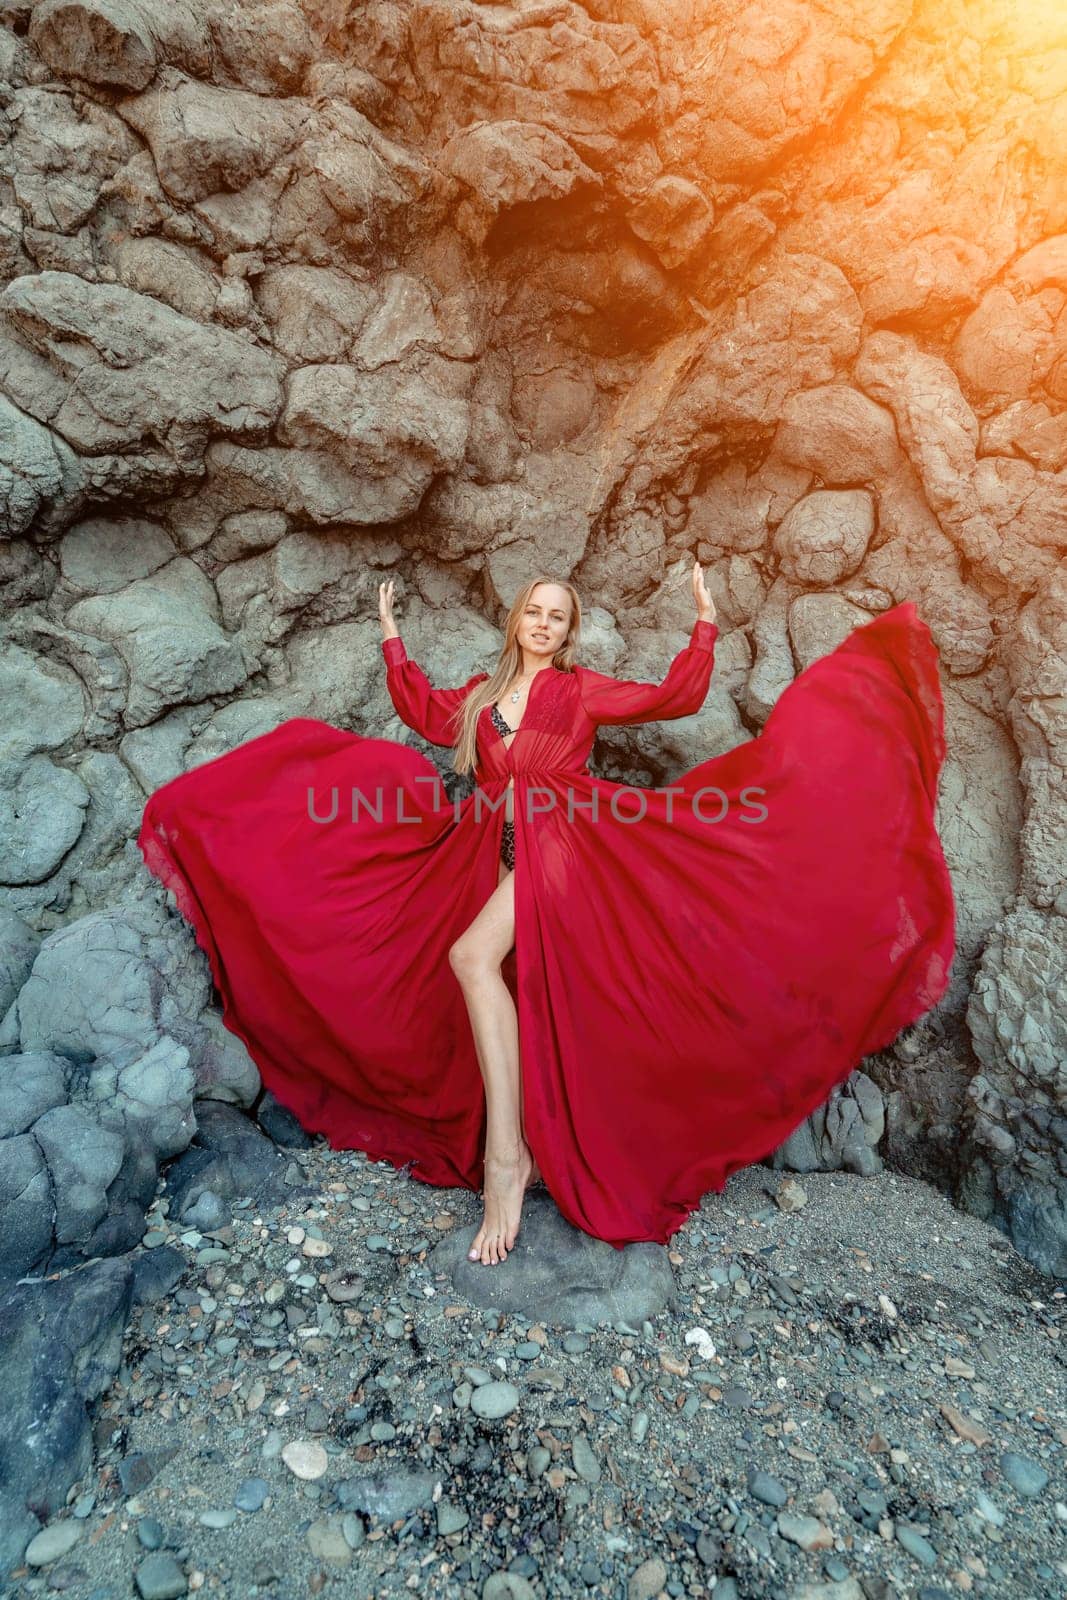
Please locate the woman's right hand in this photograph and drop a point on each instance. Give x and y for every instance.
(385, 610)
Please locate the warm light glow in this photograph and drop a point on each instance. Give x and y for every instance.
(1032, 24)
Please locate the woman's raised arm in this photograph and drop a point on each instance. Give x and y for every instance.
(682, 692)
(429, 711)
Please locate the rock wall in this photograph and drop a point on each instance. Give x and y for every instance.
(296, 295)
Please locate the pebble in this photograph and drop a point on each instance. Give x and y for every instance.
(223, 1517)
(451, 1518)
(806, 1532)
(159, 1577)
(585, 1462)
(353, 1530)
(647, 1581)
(390, 1495)
(508, 1586)
(326, 1539)
(56, 1540)
(766, 1488)
(251, 1493)
(639, 1424)
(495, 1400)
(916, 1544)
(1024, 1475)
(705, 1345)
(305, 1458)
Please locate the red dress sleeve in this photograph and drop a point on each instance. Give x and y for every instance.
(682, 692)
(429, 711)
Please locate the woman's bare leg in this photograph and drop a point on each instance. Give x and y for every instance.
(535, 1175)
(475, 958)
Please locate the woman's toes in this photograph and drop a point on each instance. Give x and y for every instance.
(505, 1183)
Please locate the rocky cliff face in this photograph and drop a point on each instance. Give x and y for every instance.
(297, 295)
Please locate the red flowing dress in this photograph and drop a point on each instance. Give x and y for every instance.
(695, 967)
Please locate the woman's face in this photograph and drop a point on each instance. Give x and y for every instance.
(545, 620)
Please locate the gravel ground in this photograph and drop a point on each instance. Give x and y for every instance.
(859, 1395)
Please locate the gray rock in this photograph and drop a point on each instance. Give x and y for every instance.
(41, 477)
(839, 1135)
(154, 1097)
(156, 1273)
(916, 1544)
(93, 992)
(507, 1585)
(33, 1083)
(766, 1488)
(206, 1213)
(41, 817)
(1019, 1030)
(1026, 1477)
(62, 1344)
(584, 1458)
(280, 1125)
(394, 429)
(808, 1533)
(560, 1275)
(56, 191)
(18, 946)
(388, 1495)
(647, 1579)
(315, 313)
(121, 45)
(83, 1158)
(137, 1471)
(508, 163)
(166, 630)
(495, 1400)
(42, 704)
(58, 1539)
(838, 433)
(26, 1206)
(159, 1577)
(251, 1493)
(824, 537)
(301, 482)
(229, 1157)
(101, 555)
(205, 138)
(151, 372)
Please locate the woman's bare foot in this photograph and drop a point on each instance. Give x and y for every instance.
(535, 1174)
(506, 1180)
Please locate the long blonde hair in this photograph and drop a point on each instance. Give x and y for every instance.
(509, 667)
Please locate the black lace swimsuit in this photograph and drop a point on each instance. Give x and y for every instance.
(507, 838)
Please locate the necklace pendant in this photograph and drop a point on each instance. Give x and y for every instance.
(515, 697)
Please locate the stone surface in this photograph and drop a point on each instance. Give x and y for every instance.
(561, 1274)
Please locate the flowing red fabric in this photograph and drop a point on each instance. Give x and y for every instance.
(695, 968)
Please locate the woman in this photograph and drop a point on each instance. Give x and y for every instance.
(655, 986)
(540, 635)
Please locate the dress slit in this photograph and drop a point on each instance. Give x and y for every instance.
(507, 837)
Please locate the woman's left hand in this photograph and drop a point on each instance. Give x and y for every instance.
(704, 603)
